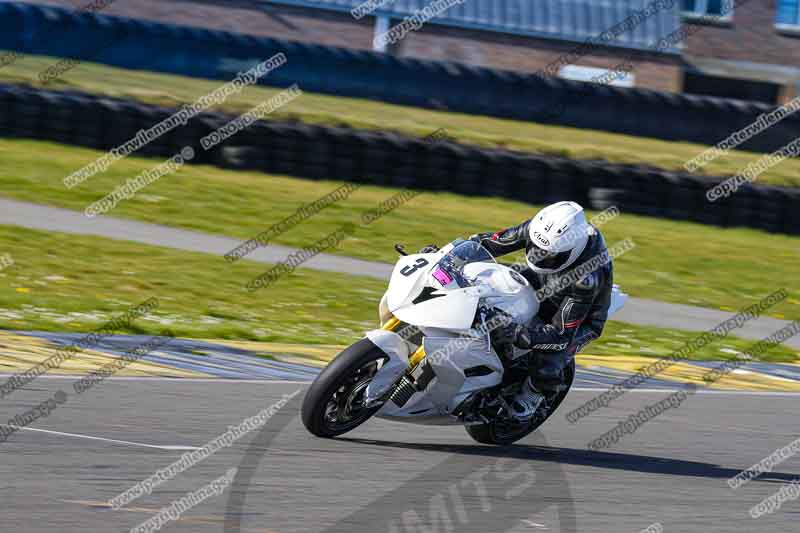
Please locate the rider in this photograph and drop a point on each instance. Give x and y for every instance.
(574, 310)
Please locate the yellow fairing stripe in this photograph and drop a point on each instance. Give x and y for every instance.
(391, 324)
(416, 357)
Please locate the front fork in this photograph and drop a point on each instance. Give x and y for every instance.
(393, 324)
(399, 363)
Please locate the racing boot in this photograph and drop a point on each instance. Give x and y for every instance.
(526, 402)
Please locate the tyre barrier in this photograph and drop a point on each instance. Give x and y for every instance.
(458, 87)
(383, 158)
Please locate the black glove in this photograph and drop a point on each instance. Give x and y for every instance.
(515, 334)
(431, 248)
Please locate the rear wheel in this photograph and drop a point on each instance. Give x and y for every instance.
(334, 403)
(506, 432)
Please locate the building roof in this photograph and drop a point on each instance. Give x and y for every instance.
(567, 20)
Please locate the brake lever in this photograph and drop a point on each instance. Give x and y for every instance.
(400, 249)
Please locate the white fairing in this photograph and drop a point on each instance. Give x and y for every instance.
(445, 311)
(453, 310)
(505, 289)
(392, 369)
(448, 360)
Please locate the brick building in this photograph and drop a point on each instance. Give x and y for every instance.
(752, 53)
(749, 51)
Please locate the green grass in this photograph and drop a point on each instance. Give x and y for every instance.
(673, 261)
(63, 282)
(620, 338)
(575, 143)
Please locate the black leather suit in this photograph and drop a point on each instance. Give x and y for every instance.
(569, 317)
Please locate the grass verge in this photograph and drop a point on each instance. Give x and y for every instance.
(62, 282)
(673, 261)
(171, 90)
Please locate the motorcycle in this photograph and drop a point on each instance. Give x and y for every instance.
(435, 359)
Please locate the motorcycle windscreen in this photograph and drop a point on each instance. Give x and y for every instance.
(435, 308)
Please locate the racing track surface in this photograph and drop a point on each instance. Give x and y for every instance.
(672, 471)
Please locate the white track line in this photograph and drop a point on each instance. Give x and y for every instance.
(115, 441)
(701, 391)
(295, 382)
(172, 380)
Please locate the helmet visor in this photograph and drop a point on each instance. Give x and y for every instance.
(541, 258)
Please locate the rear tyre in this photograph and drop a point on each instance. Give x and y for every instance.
(503, 434)
(333, 404)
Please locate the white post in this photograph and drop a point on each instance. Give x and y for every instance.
(381, 26)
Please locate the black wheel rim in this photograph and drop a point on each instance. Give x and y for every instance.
(345, 408)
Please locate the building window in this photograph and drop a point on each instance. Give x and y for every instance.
(710, 10)
(788, 16)
(740, 89)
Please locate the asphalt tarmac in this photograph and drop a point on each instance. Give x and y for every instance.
(58, 473)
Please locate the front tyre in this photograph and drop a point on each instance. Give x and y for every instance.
(334, 403)
(502, 434)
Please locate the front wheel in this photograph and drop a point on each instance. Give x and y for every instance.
(334, 403)
(503, 433)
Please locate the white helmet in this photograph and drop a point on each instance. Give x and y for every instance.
(558, 235)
